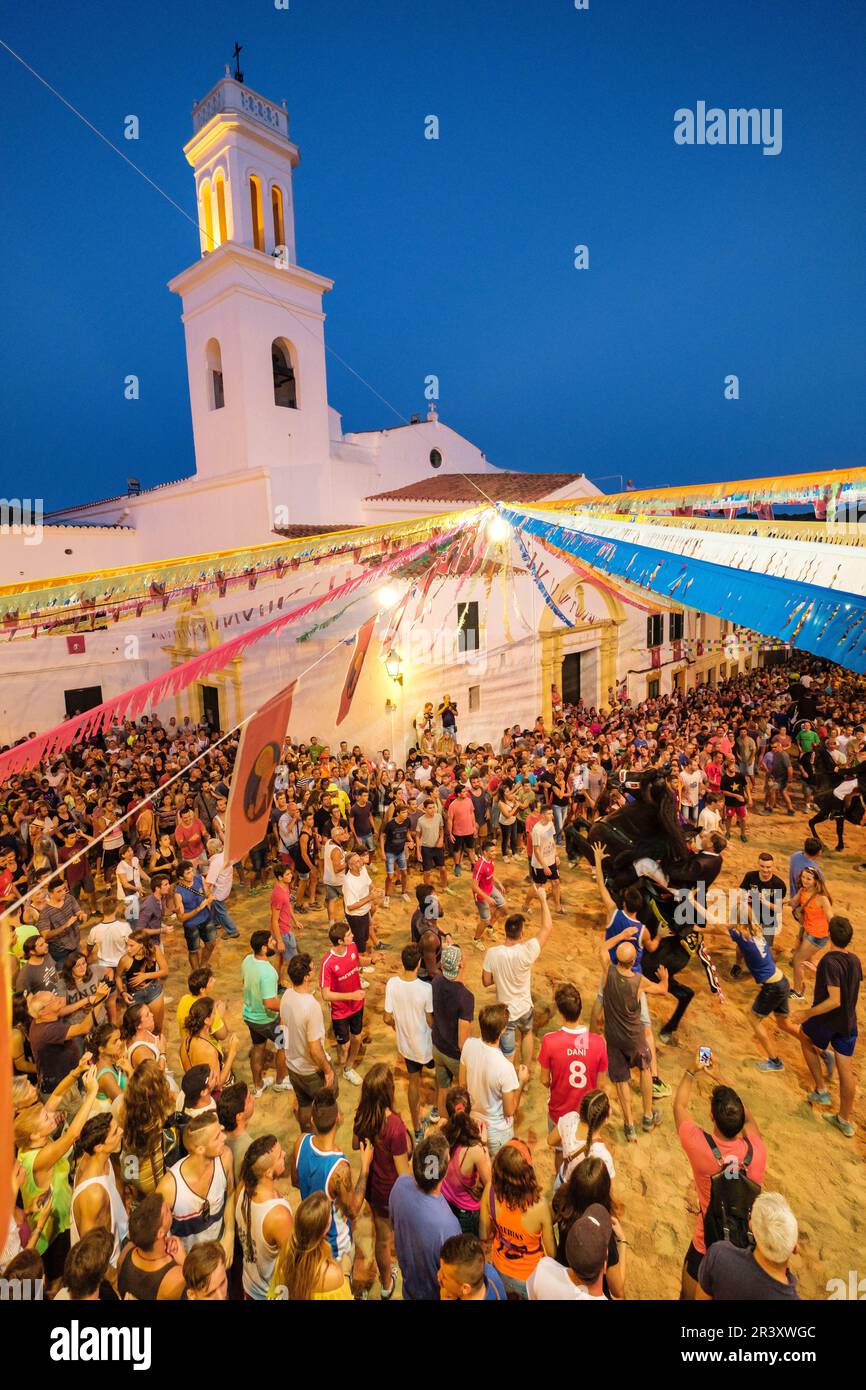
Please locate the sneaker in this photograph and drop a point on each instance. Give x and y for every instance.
(771, 1064)
(405, 897)
(797, 994)
(450, 891)
(631, 1134)
(385, 1294)
(434, 1117)
(352, 1077)
(457, 871)
(736, 972)
(846, 1127)
(386, 901)
(480, 945)
(368, 970)
(818, 1097)
(669, 1039)
(649, 1122)
(282, 1085)
(829, 1059)
(365, 984)
(661, 1089)
(258, 1091)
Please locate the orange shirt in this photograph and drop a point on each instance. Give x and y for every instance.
(813, 918)
(516, 1251)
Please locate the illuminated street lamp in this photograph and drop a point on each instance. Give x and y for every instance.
(394, 667)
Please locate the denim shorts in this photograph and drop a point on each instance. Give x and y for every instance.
(508, 1041)
(395, 861)
(148, 994)
(484, 906)
(815, 940)
(196, 933)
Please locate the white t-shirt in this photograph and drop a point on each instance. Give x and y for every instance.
(549, 1281)
(708, 822)
(302, 1022)
(691, 785)
(220, 876)
(356, 887)
(110, 940)
(489, 1076)
(511, 968)
(574, 1149)
(128, 878)
(410, 1001)
(543, 845)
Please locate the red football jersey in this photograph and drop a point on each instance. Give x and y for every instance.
(575, 1058)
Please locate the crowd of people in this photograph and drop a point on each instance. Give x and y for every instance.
(139, 1178)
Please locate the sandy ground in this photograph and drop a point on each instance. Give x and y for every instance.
(819, 1171)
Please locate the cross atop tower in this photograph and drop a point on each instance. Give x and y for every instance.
(239, 77)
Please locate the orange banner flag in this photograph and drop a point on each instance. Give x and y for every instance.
(252, 789)
(353, 675)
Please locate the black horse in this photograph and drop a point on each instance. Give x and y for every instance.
(644, 828)
(831, 808)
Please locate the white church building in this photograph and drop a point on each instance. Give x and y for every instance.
(272, 459)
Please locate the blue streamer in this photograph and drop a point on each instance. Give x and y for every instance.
(829, 623)
(530, 565)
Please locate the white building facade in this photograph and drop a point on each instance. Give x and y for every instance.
(271, 456)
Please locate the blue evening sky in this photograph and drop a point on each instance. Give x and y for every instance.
(455, 256)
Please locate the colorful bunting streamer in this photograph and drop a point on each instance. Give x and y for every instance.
(830, 624)
(132, 702)
(530, 565)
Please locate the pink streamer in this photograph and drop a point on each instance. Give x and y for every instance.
(31, 752)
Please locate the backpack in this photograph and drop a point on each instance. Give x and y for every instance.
(732, 1196)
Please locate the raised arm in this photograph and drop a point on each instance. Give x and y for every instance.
(546, 919)
(607, 901)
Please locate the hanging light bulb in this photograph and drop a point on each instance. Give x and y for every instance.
(498, 530)
(388, 596)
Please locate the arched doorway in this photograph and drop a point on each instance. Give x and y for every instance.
(581, 660)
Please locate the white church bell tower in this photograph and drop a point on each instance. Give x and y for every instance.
(253, 319)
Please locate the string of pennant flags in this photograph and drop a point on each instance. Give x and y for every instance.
(732, 644)
(457, 547)
(131, 703)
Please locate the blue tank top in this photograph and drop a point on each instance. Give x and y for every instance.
(193, 898)
(618, 922)
(315, 1171)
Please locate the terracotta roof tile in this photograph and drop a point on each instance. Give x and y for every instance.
(298, 532)
(500, 486)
